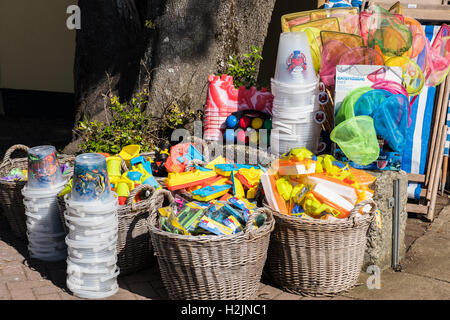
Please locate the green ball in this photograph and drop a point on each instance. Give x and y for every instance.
(267, 124)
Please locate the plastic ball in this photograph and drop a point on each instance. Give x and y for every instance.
(241, 136)
(229, 136)
(257, 123)
(253, 137)
(244, 122)
(231, 121)
(267, 124)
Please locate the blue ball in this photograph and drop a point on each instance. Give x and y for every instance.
(229, 136)
(232, 122)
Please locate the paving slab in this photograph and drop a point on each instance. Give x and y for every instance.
(401, 286)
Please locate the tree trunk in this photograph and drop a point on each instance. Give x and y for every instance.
(192, 38)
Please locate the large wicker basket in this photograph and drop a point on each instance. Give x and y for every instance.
(210, 267)
(11, 198)
(134, 247)
(318, 257)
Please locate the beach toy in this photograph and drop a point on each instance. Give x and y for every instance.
(391, 86)
(244, 122)
(351, 40)
(331, 24)
(386, 32)
(273, 198)
(413, 78)
(215, 227)
(340, 187)
(249, 177)
(238, 189)
(114, 167)
(332, 52)
(315, 44)
(228, 168)
(90, 179)
(327, 196)
(292, 167)
(357, 138)
(284, 188)
(180, 156)
(210, 192)
(129, 152)
(391, 121)
(419, 37)
(123, 188)
(294, 61)
(141, 165)
(176, 181)
(218, 160)
(369, 102)
(43, 168)
(361, 55)
(257, 123)
(315, 208)
(438, 56)
(346, 110)
(337, 4)
(232, 121)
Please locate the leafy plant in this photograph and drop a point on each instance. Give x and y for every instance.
(243, 69)
(130, 124)
(150, 24)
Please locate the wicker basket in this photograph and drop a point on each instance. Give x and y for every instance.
(318, 257)
(134, 248)
(210, 267)
(11, 198)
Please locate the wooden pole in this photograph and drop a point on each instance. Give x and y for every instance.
(444, 174)
(435, 130)
(441, 123)
(440, 151)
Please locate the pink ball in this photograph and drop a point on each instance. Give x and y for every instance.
(244, 122)
(241, 136)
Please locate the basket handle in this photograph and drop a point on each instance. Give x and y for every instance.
(359, 206)
(248, 226)
(11, 150)
(157, 199)
(136, 191)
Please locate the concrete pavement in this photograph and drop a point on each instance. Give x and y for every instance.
(426, 272)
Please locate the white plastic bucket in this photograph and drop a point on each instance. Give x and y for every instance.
(294, 61)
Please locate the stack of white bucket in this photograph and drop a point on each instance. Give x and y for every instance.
(44, 229)
(91, 217)
(295, 89)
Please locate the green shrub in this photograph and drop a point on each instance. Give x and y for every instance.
(243, 69)
(130, 124)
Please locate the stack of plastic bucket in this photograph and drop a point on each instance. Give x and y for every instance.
(44, 228)
(295, 88)
(91, 217)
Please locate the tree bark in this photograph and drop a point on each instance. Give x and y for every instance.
(192, 38)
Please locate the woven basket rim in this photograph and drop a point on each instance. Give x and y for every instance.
(267, 227)
(340, 222)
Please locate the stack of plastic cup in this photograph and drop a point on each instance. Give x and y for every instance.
(295, 89)
(44, 228)
(91, 217)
